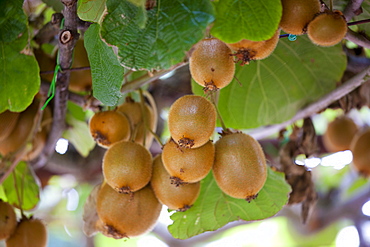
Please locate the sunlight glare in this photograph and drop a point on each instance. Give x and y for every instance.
(72, 199)
(347, 237)
(167, 75)
(337, 160)
(312, 162)
(61, 146)
(151, 241)
(366, 208)
(164, 217)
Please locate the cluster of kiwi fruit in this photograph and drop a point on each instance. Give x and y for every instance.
(211, 63)
(236, 159)
(343, 134)
(125, 203)
(324, 28)
(26, 233)
(135, 185)
(16, 128)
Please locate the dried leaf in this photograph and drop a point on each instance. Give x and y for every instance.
(90, 216)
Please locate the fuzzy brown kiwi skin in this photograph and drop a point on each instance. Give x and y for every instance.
(339, 134)
(247, 50)
(127, 215)
(191, 121)
(134, 113)
(327, 28)
(127, 166)
(28, 233)
(21, 130)
(109, 127)
(360, 147)
(240, 166)
(210, 64)
(187, 165)
(8, 121)
(297, 14)
(179, 198)
(8, 220)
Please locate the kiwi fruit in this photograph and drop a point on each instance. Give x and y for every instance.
(109, 127)
(40, 137)
(29, 233)
(328, 28)
(8, 220)
(127, 215)
(8, 121)
(134, 112)
(187, 165)
(174, 197)
(339, 134)
(297, 14)
(360, 147)
(80, 80)
(127, 166)
(248, 50)
(210, 64)
(191, 121)
(240, 166)
(21, 130)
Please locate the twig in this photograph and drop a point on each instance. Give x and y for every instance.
(358, 39)
(67, 40)
(352, 9)
(146, 79)
(317, 106)
(71, 69)
(80, 100)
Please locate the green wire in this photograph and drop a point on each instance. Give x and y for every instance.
(51, 92)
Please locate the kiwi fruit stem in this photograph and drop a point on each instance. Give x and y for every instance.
(213, 100)
(154, 108)
(20, 201)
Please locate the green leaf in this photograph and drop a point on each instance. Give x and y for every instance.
(13, 21)
(171, 29)
(107, 73)
(79, 135)
(91, 10)
(19, 75)
(23, 180)
(57, 5)
(274, 89)
(214, 209)
(245, 19)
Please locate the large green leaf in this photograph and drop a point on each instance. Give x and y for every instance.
(89, 10)
(13, 21)
(23, 181)
(171, 29)
(245, 19)
(19, 75)
(107, 73)
(214, 209)
(274, 89)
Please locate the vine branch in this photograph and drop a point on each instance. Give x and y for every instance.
(352, 9)
(68, 36)
(358, 39)
(317, 106)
